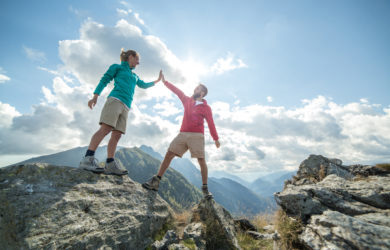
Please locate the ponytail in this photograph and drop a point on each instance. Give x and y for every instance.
(125, 54)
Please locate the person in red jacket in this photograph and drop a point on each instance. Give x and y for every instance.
(191, 136)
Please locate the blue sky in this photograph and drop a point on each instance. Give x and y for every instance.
(285, 78)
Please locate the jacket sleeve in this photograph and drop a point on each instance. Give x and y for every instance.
(177, 91)
(210, 123)
(106, 78)
(143, 84)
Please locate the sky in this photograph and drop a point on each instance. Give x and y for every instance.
(286, 79)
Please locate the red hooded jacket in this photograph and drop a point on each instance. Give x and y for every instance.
(194, 114)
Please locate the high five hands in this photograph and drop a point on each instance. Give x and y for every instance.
(160, 76)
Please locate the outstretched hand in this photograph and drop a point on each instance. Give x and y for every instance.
(160, 75)
(163, 78)
(217, 144)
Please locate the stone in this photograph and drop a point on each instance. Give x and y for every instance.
(317, 167)
(269, 228)
(334, 230)
(341, 207)
(350, 197)
(48, 207)
(169, 238)
(195, 232)
(219, 229)
(260, 236)
(177, 247)
(245, 225)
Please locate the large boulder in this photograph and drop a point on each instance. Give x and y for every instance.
(218, 225)
(340, 206)
(49, 207)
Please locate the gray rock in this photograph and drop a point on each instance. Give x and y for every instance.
(245, 225)
(169, 238)
(370, 195)
(316, 167)
(260, 236)
(334, 230)
(269, 228)
(177, 247)
(49, 207)
(195, 232)
(381, 218)
(218, 225)
(342, 207)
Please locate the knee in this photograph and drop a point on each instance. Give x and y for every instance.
(116, 135)
(202, 161)
(103, 131)
(170, 155)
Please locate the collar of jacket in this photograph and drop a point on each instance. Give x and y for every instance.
(203, 100)
(125, 63)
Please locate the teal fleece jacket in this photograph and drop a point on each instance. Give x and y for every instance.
(124, 82)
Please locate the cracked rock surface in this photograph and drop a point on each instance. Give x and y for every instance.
(50, 207)
(342, 207)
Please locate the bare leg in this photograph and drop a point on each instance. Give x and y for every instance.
(99, 136)
(165, 163)
(113, 142)
(203, 169)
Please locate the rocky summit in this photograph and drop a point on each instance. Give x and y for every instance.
(340, 207)
(50, 207)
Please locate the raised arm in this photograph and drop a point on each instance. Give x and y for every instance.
(175, 90)
(145, 85)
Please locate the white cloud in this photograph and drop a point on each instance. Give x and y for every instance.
(354, 132)
(124, 3)
(34, 55)
(269, 99)
(99, 46)
(7, 113)
(228, 63)
(3, 77)
(167, 109)
(136, 15)
(122, 12)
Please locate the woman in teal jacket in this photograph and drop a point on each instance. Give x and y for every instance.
(115, 111)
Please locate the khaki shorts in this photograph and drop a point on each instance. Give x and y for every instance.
(188, 140)
(114, 114)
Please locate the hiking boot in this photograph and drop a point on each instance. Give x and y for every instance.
(152, 183)
(206, 193)
(90, 163)
(115, 169)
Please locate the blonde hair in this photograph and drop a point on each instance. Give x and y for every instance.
(125, 54)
